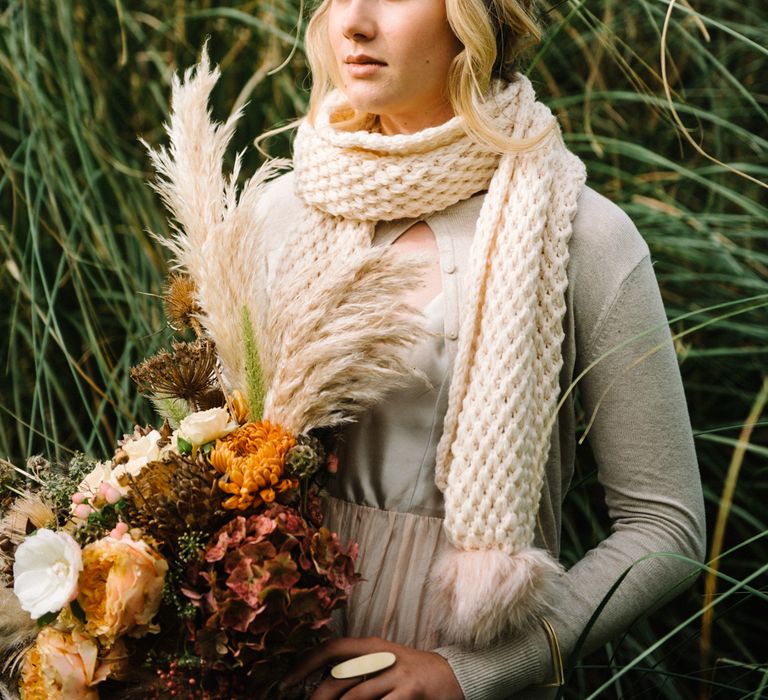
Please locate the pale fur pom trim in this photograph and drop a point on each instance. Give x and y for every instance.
(481, 595)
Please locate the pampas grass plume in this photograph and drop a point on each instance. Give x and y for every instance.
(216, 230)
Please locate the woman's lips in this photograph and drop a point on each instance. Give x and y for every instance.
(362, 66)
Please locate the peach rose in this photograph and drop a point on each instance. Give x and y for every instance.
(121, 587)
(62, 665)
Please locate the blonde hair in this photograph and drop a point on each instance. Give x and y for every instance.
(493, 33)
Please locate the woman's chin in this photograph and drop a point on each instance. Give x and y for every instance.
(364, 101)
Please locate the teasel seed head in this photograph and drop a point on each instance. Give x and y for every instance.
(181, 306)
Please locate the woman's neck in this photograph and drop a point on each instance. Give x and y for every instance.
(410, 123)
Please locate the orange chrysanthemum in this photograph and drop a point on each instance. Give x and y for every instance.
(252, 460)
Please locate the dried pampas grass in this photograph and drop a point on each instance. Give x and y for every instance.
(27, 513)
(346, 349)
(17, 632)
(216, 237)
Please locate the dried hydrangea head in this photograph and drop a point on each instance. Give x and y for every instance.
(180, 301)
(187, 372)
(268, 581)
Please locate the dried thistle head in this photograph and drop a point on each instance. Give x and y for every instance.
(180, 301)
(187, 372)
(213, 398)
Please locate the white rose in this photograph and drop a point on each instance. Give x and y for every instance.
(141, 451)
(204, 426)
(45, 572)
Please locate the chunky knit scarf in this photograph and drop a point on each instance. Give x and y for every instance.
(504, 389)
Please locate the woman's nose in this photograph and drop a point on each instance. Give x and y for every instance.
(359, 20)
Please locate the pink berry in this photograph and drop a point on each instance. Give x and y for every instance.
(83, 510)
(111, 494)
(119, 530)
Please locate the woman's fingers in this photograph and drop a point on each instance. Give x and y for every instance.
(415, 674)
(332, 689)
(372, 688)
(332, 652)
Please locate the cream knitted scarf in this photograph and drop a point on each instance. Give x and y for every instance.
(504, 388)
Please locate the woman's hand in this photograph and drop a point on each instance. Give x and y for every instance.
(416, 675)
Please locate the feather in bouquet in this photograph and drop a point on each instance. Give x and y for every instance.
(193, 563)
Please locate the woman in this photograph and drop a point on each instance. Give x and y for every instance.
(453, 487)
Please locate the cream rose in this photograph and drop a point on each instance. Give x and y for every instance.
(45, 572)
(121, 587)
(205, 426)
(140, 452)
(102, 480)
(89, 486)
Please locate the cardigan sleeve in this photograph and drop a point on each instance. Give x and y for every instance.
(642, 442)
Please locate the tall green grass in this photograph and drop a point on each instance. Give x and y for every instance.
(81, 79)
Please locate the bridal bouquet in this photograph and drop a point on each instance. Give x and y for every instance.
(196, 553)
(193, 563)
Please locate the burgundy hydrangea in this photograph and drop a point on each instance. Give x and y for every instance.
(266, 587)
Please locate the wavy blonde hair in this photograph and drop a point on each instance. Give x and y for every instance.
(493, 33)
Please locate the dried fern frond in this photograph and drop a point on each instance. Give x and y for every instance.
(215, 230)
(28, 512)
(345, 348)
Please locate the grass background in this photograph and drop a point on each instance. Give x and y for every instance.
(81, 79)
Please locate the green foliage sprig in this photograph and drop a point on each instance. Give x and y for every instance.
(253, 371)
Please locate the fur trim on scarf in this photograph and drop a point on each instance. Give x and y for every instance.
(464, 582)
